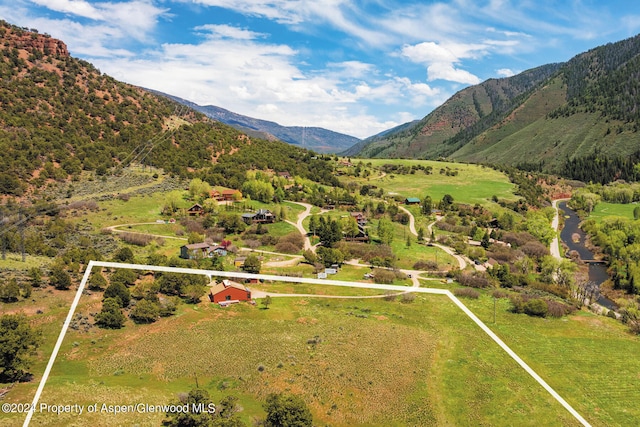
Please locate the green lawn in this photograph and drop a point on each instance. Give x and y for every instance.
(604, 209)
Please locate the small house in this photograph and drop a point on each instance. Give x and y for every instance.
(201, 250)
(227, 291)
(285, 175)
(239, 261)
(360, 218)
(361, 236)
(195, 210)
(411, 201)
(263, 216)
(230, 195)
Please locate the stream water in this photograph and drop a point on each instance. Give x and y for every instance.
(597, 271)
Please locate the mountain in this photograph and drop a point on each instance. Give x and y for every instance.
(313, 138)
(547, 118)
(62, 119)
(475, 107)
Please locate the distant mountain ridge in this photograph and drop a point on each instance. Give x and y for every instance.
(312, 138)
(542, 119)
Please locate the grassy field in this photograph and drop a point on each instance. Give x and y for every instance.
(588, 359)
(473, 184)
(355, 362)
(604, 209)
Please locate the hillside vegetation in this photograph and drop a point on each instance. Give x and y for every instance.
(61, 117)
(560, 118)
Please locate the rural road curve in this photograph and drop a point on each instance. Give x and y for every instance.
(462, 262)
(554, 248)
(298, 224)
(114, 229)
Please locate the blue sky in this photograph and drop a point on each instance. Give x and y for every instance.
(352, 66)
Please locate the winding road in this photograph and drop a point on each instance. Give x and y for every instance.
(554, 248)
(462, 261)
(298, 224)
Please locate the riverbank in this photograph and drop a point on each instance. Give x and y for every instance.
(575, 239)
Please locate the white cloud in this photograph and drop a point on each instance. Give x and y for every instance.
(443, 71)
(72, 7)
(505, 72)
(441, 59)
(228, 31)
(282, 11)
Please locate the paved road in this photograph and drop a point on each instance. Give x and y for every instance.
(554, 248)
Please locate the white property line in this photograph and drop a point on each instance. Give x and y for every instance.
(211, 273)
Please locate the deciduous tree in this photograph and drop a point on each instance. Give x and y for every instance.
(286, 410)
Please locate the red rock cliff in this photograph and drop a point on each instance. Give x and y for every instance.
(45, 44)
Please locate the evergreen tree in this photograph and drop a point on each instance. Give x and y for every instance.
(59, 278)
(17, 341)
(10, 291)
(110, 316)
(119, 292)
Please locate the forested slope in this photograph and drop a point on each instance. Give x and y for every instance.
(60, 117)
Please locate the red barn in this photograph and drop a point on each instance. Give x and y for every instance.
(229, 291)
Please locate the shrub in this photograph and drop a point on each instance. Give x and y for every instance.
(137, 239)
(251, 243)
(390, 296)
(536, 307)
(475, 280)
(145, 311)
(499, 294)
(467, 293)
(383, 276)
(268, 240)
(425, 265)
(287, 248)
(558, 309)
(408, 298)
(293, 242)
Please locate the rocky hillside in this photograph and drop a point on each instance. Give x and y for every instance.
(550, 119)
(61, 118)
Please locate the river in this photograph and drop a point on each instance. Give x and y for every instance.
(597, 271)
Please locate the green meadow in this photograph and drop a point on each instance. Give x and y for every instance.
(605, 209)
(472, 184)
(355, 362)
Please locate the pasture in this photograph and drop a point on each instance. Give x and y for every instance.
(472, 184)
(355, 362)
(605, 209)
